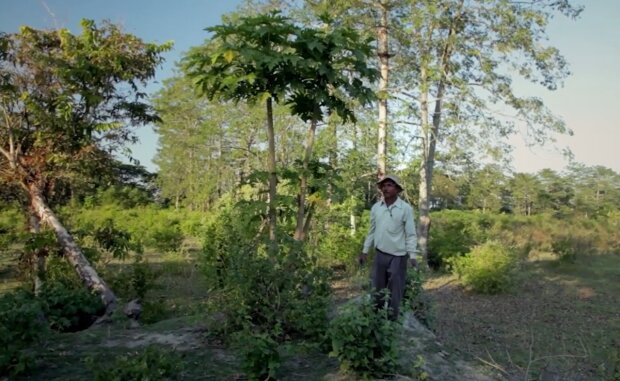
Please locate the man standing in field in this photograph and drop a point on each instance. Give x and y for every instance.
(392, 233)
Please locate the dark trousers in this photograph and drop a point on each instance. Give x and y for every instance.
(389, 273)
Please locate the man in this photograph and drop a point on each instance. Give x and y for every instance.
(392, 233)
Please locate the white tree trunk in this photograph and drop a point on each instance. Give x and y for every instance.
(72, 252)
(384, 69)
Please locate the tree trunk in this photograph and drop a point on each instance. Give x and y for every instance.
(73, 253)
(384, 69)
(303, 185)
(271, 168)
(425, 177)
(38, 255)
(307, 224)
(430, 135)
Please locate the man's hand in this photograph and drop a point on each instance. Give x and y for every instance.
(362, 258)
(413, 263)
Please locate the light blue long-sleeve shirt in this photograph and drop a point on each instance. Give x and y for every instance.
(392, 229)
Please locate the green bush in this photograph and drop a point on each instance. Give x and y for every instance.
(150, 364)
(363, 340)
(289, 289)
(331, 240)
(336, 245)
(415, 299)
(150, 226)
(488, 268)
(260, 358)
(166, 236)
(11, 221)
(570, 247)
(134, 280)
(284, 291)
(25, 319)
(22, 324)
(454, 233)
(69, 309)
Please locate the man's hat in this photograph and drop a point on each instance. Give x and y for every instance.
(394, 178)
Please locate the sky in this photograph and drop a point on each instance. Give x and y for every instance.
(587, 102)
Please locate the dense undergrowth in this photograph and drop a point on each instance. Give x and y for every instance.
(253, 300)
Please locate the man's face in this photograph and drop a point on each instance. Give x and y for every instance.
(389, 189)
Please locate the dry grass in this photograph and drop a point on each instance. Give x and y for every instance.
(562, 321)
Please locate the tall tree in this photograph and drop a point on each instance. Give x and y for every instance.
(461, 60)
(332, 72)
(378, 18)
(486, 189)
(267, 57)
(249, 60)
(596, 189)
(525, 190)
(557, 192)
(67, 101)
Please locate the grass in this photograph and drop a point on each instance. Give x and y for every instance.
(563, 320)
(8, 272)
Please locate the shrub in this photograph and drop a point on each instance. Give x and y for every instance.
(454, 233)
(11, 221)
(165, 236)
(289, 290)
(150, 364)
(415, 299)
(331, 240)
(134, 281)
(569, 247)
(260, 358)
(336, 245)
(286, 290)
(69, 309)
(488, 268)
(22, 324)
(363, 340)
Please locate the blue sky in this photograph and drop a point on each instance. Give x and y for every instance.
(588, 101)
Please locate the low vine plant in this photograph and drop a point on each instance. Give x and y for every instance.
(364, 340)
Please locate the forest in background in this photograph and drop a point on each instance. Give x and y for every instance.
(272, 135)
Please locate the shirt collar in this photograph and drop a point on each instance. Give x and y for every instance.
(396, 204)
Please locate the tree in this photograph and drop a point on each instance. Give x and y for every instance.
(268, 58)
(67, 102)
(486, 189)
(460, 62)
(525, 190)
(556, 192)
(250, 60)
(332, 72)
(370, 17)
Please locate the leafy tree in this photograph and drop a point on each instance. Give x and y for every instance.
(452, 61)
(596, 189)
(371, 17)
(331, 75)
(460, 62)
(67, 102)
(267, 57)
(188, 155)
(486, 189)
(556, 192)
(248, 61)
(525, 191)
